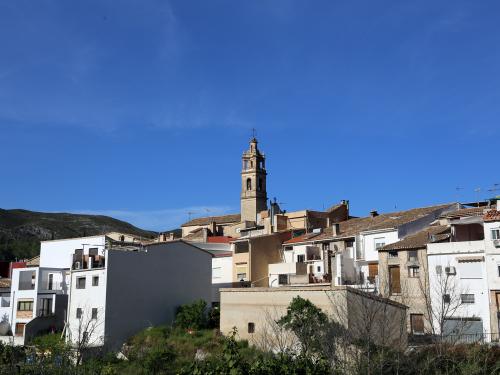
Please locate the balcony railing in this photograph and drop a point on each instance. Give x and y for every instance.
(26, 285)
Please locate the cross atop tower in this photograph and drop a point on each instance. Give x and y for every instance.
(254, 133)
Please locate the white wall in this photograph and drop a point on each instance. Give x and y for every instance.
(444, 255)
(86, 299)
(58, 253)
(222, 275)
(368, 243)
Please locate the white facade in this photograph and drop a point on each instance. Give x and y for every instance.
(222, 275)
(458, 278)
(57, 253)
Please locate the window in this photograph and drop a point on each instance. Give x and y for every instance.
(95, 281)
(80, 283)
(394, 280)
(78, 313)
(470, 270)
(467, 298)
(283, 279)
(446, 298)
(94, 313)
(417, 324)
(326, 246)
(439, 270)
(249, 184)
(318, 269)
(25, 306)
(301, 258)
(50, 283)
(495, 234)
(413, 256)
(413, 271)
(260, 186)
(498, 270)
(379, 243)
(393, 254)
(251, 327)
(216, 272)
(241, 272)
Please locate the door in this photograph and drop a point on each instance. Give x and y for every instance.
(394, 280)
(20, 329)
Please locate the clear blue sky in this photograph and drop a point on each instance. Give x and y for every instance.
(141, 109)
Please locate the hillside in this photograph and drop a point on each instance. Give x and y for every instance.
(22, 230)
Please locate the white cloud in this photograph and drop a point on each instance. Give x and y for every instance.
(163, 219)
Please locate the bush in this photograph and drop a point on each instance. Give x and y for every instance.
(192, 316)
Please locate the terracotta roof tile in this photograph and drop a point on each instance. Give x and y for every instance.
(419, 240)
(465, 212)
(492, 215)
(224, 219)
(5, 283)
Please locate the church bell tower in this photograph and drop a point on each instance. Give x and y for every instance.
(253, 183)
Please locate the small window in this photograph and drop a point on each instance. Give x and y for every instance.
(283, 279)
(439, 270)
(393, 254)
(326, 246)
(417, 324)
(95, 281)
(94, 313)
(413, 271)
(495, 234)
(78, 313)
(379, 243)
(318, 269)
(261, 185)
(25, 306)
(412, 256)
(288, 248)
(467, 298)
(80, 283)
(446, 298)
(251, 327)
(301, 258)
(249, 184)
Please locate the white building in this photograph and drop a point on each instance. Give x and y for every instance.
(118, 290)
(347, 252)
(222, 266)
(464, 279)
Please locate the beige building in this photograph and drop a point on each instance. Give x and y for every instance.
(403, 275)
(252, 256)
(254, 311)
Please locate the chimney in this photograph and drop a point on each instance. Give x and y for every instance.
(213, 228)
(373, 213)
(336, 229)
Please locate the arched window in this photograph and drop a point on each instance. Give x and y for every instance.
(251, 163)
(259, 186)
(249, 184)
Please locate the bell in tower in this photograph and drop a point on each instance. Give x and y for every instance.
(253, 183)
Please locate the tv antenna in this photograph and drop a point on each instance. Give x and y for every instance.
(494, 188)
(457, 195)
(478, 191)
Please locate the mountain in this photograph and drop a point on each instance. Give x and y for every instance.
(22, 230)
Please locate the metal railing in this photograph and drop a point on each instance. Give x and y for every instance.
(471, 338)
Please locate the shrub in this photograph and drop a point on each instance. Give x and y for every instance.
(192, 316)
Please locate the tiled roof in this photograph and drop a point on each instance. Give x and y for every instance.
(5, 283)
(421, 239)
(465, 212)
(33, 262)
(492, 215)
(219, 239)
(302, 238)
(351, 227)
(233, 218)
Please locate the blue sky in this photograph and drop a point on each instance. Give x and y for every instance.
(141, 109)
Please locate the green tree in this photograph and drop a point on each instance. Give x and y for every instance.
(192, 316)
(306, 321)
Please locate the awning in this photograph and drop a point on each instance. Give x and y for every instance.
(478, 258)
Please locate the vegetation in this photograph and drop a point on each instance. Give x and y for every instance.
(22, 230)
(182, 349)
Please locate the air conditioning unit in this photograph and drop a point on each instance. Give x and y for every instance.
(450, 270)
(78, 266)
(496, 243)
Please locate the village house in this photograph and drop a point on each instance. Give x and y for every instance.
(346, 253)
(119, 289)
